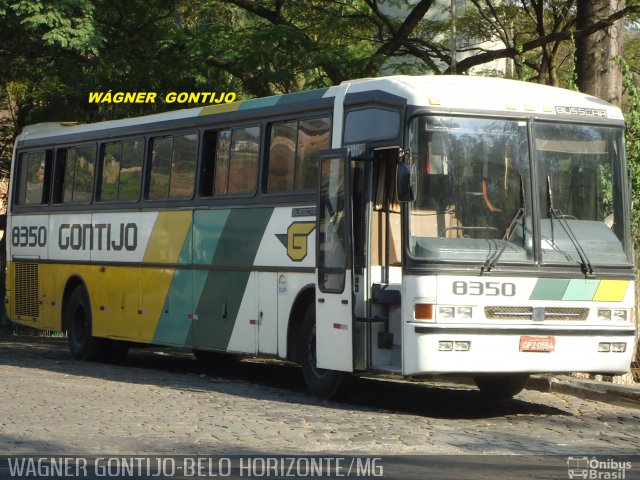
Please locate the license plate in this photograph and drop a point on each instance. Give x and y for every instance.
(537, 344)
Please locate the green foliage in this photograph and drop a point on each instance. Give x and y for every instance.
(65, 23)
(632, 144)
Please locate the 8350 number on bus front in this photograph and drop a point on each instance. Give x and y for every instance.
(490, 289)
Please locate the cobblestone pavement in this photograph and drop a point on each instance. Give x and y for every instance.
(165, 402)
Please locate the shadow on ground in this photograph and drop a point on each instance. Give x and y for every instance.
(272, 380)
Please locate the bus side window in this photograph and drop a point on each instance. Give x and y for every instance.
(75, 174)
(183, 165)
(294, 150)
(173, 166)
(282, 157)
(243, 160)
(221, 175)
(131, 170)
(33, 181)
(314, 135)
(236, 161)
(121, 171)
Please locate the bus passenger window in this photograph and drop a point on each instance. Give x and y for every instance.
(121, 171)
(78, 165)
(243, 160)
(221, 176)
(282, 157)
(131, 170)
(183, 166)
(236, 169)
(314, 135)
(294, 150)
(32, 186)
(173, 166)
(160, 167)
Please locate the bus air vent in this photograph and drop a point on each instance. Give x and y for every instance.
(526, 313)
(26, 290)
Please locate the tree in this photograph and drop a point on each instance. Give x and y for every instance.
(597, 72)
(552, 23)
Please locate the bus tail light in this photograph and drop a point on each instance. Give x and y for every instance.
(424, 311)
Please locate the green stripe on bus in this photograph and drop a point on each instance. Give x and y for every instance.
(283, 99)
(174, 325)
(302, 96)
(222, 293)
(581, 289)
(549, 289)
(208, 226)
(186, 287)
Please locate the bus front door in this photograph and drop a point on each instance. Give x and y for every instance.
(334, 297)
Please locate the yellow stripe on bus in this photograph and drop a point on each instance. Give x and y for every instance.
(611, 291)
(167, 237)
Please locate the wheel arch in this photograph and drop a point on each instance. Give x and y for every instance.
(305, 296)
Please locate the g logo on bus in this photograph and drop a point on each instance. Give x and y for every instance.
(296, 239)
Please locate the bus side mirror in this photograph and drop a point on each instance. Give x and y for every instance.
(406, 182)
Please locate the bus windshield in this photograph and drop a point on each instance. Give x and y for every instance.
(580, 177)
(474, 191)
(473, 178)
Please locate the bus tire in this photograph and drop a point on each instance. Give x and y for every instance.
(82, 344)
(501, 385)
(326, 384)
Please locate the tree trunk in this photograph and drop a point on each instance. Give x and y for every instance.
(597, 73)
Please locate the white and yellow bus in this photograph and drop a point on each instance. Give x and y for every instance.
(407, 225)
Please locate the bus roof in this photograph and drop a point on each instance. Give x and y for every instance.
(434, 92)
(462, 92)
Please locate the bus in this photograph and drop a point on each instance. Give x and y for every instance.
(405, 225)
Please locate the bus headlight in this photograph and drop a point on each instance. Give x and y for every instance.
(604, 315)
(619, 315)
(446, 312)
(465, 312)
(618, 347)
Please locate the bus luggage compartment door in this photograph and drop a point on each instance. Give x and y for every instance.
(334, 298)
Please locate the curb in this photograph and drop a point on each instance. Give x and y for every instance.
(622, 395)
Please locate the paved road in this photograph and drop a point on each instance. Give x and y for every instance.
(165, 402)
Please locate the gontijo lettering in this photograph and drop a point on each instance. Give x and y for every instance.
(101, 236)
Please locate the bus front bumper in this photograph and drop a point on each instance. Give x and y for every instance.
(433, 349)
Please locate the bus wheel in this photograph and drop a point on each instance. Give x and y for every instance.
(327, 384)
(83, 345)
(502, 385)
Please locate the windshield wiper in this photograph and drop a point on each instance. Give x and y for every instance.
(519, 215)
(556, 213)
